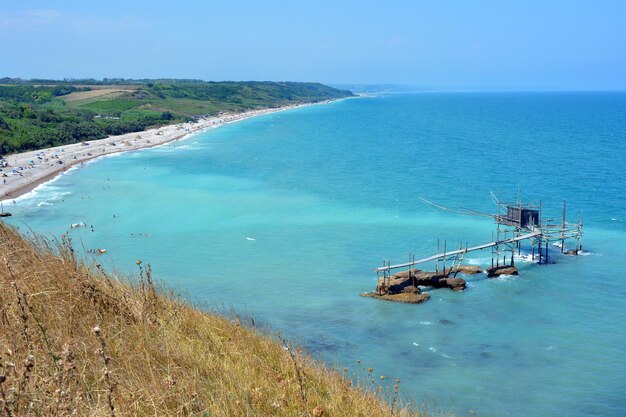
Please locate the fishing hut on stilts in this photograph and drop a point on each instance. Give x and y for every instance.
(514, 223)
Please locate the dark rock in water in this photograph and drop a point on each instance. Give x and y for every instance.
(411, 289)
(404, 286)
(571, 252)
(403, 297)
(496, 271)
(399, 285)
(455, 284)
(445, 321)
(398, 282)
(404, 274)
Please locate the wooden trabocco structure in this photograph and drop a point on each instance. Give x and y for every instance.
(514, 223)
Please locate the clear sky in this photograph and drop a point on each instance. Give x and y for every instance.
(482, 45)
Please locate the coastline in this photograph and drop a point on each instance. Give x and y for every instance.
(24, 176)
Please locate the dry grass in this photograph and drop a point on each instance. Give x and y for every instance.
(98, 93)
(74, 341)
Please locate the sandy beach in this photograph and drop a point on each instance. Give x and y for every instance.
(27, 170)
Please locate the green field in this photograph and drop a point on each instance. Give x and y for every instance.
(37, 114)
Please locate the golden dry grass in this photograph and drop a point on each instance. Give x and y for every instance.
(74, 341)
(98, 93)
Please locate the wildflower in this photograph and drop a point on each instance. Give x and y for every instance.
(318, 411)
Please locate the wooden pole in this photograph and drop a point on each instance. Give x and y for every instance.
(581, 232)
(504, 251)
(498, 247)
(437, 267)
(444, 256)
(492, 249)
(512, 256)
(563, 226)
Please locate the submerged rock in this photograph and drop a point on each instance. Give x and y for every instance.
(571, 252)
(403, 297)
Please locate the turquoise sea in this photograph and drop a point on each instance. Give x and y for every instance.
(283, 217)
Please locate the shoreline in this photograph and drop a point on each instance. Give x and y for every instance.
(22, 176)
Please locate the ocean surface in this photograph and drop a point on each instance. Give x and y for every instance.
(283, 217)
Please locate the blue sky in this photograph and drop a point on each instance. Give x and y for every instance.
(476, 45)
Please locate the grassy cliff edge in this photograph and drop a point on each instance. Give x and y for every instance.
(76, 341)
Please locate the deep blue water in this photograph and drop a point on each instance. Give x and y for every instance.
(284, 216)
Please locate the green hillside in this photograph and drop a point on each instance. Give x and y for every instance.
(37, 114)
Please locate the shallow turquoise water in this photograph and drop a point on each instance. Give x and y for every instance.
(284, 216)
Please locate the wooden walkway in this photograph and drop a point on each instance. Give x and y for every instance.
(530, 235)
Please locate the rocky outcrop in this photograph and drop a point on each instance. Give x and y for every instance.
(571, 252)
(496, 271)
(455, 284)
(404, 285)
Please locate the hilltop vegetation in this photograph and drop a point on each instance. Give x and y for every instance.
(76, 341)
(42, 113)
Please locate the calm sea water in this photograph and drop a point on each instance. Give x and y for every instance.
(284, 216)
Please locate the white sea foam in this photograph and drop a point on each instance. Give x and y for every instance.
(46, 192)
(416, 344)
(427, 323)
(432, 349)
(107, 156)
(525, 258)
(38, 190)
(504, 278)
(250, 238)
